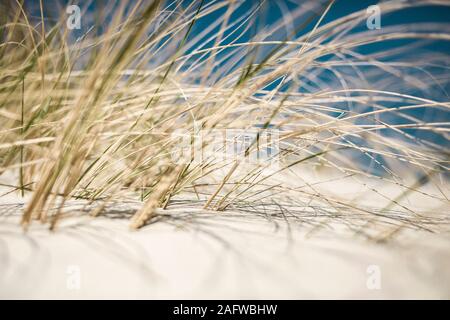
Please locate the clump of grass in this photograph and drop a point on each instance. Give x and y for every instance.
(95, 114)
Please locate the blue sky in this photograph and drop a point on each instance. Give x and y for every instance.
(270, 12)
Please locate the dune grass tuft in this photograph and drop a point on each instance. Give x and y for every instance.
(339, 122)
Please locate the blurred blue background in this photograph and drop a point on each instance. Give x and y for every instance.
(268, 13)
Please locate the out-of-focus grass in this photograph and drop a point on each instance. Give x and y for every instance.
(94, 117)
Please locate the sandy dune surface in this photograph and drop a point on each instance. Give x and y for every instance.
(205, 256)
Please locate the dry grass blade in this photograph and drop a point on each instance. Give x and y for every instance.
(199, 101)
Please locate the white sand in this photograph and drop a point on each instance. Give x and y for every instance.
(199, 255)
(101, 258)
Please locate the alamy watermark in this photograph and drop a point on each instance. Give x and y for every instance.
(73, 277)
(374, 277)
(253, 146)
(374, 17)
(74, 18)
